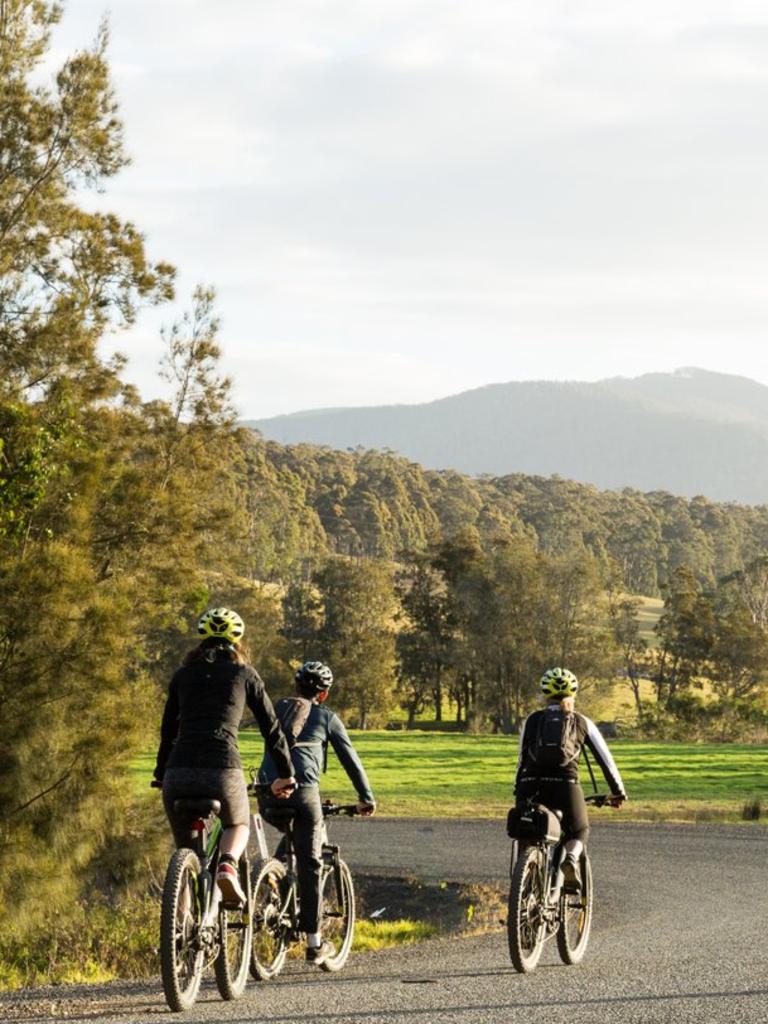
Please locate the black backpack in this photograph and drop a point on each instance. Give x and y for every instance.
(556, 743)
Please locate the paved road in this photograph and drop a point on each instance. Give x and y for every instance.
(680, 935)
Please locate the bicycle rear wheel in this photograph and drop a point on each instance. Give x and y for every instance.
(573, 932)
(269, 946)
(525, 921)
(233, 960)
(181, 953)
(337, 914)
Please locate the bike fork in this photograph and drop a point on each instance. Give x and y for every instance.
(557, 887)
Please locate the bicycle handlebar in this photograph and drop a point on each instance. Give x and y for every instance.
(330, 810)
(600, 799)
(263, 789)
(155, 784)
(260, 789)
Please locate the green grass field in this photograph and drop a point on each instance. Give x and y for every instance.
(454, 775)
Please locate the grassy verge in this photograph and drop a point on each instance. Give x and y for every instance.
(384, 934)
(103, 944)
(94, 942)
(421, 774)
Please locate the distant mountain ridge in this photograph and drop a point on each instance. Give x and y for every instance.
(689, 432)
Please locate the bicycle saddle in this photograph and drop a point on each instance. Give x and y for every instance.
(198, 806)
(278, 815)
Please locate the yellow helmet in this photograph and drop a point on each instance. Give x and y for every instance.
(559, 682)
(221, 624)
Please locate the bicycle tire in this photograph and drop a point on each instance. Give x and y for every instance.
(235, 936)
(269, 944)
(577, 910)
(337, 915)
(525, 924)
(179, 932)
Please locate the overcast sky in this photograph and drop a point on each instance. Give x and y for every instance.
(401, 199)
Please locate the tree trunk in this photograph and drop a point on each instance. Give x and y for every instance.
(437, 693)
(634, 682)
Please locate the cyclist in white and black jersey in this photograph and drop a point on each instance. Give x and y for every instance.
(551, 741)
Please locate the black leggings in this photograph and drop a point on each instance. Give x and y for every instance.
(567, 797)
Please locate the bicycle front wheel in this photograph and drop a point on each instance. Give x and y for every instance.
(337, 914)
(525, 919)
(576, 920)
(269, 946)
(181, 952)
(233, 960)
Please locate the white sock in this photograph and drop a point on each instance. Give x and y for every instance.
(314, 940)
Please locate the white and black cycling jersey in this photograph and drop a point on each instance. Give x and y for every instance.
(589, 735)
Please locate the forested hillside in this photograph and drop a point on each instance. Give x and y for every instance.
(691, 432)
(430, 593)
(374, 504)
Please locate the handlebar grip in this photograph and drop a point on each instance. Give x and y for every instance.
(331, 810)
(264, 789)
(155, 784)
(598, 799)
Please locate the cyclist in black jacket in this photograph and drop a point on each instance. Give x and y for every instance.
(198, 754)
(552, 776)
(310, 728)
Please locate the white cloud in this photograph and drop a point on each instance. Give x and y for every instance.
(410, 196)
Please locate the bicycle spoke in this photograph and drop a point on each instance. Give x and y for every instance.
(270, 924)
(181, 952)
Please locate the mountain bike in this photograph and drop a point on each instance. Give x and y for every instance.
(276, 897)
(539, 905)
(196, 928)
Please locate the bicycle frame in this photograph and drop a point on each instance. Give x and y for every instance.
(550, 868)
(331, 856)
(550, 873)
(206, 846)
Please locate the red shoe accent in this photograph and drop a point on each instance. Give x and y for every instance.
(229, 883)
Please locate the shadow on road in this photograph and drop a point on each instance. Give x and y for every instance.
(544, 1004)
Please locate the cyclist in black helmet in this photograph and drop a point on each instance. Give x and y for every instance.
(198, 754)
(309, 728)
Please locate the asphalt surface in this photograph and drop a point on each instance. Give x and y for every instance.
(680, 935)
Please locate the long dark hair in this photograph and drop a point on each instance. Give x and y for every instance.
(214, 649)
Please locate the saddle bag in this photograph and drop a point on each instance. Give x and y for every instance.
(535, 823)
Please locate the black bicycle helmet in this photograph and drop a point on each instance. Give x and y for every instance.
(314, 677)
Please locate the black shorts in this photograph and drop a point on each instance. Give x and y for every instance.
(224, 784)
(564, 796)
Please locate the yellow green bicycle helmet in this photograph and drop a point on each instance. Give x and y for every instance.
(221, 624)
(559, 682)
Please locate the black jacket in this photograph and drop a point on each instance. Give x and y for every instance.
(202, 718)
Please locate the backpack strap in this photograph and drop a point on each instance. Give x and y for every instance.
(293, 713)
(589, 766)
